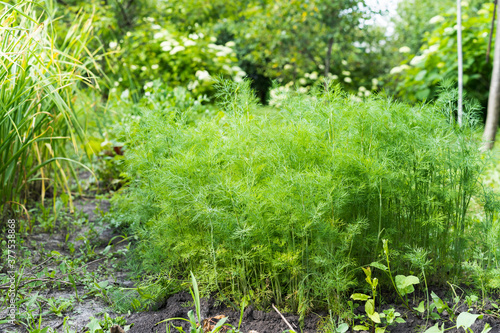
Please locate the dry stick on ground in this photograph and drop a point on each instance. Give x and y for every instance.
(282, 317)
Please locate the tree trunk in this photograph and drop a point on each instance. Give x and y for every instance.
(492, 117)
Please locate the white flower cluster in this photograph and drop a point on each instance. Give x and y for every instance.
(363, 92)
(220, 50)
(436, 19)
(333, 76)
(278, 95)
(404, 49)
(312, 76)
(399, 69)
(203, 75)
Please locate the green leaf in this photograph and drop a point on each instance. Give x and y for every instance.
(380, 330)
(94, 326)
(411, 279)
(375, 317)
(423, 93)
(405, 283)
(440, 305)
(103, 284)
(342, 328)
(402, 282)
(370, 307)
(421, 307)
(360, 297)
(435, 329)
(420, 76)
(196, 296)
(360, 328)
(486, 328)
(191, 316)
(379, 266)
(219, 325)
(466, 319)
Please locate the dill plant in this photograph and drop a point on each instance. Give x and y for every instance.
(282, 204)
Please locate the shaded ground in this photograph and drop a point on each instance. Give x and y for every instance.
(176, 306)
(271, 322)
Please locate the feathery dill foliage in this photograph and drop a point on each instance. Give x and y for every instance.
(282, 205)
(36, 115)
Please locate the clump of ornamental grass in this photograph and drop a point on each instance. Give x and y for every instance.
(37, 121)
(283, 204)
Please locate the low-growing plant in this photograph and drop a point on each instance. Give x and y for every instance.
(196, 322)
(104, 325)
(59, 306)
(283, 203)
(375, 321)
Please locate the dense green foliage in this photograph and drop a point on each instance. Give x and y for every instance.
(37, 77)
(284, 204)
(419, 75)
(182, 42)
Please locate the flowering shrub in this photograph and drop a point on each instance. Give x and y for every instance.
(419, 75)
(158, 51)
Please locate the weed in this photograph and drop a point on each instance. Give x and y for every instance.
(59, 306)
(104, 325)
(375, 321)
(197, 324)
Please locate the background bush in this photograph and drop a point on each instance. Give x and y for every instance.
(418, 77)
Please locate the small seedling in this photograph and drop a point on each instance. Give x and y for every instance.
(197, 325)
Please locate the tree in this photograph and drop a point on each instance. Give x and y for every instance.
(294, 42)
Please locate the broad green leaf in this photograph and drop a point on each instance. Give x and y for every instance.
(370, 306)
(103, 284)
(440, 305)
(400, 279)
(375, 317)
(380, 330)
(360, 297)
(360, 328)
(403, 282)
(435, 329)
(379, 266)
(94, 325)
(420, 76)
(219, 324)
(411, 279)
(423, 94)
(466, 319)
(421, 307)
(342, 328)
